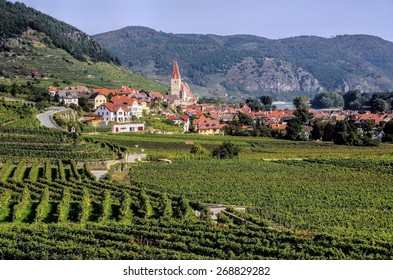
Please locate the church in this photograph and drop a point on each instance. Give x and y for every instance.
(181, 89)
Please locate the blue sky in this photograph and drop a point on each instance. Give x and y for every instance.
(267, 18)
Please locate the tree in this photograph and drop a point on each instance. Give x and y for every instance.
(261, 129)
(346, 134)
(381, 102)
(301, 101)
(328, 132)
(327, 100)
(303, 114)
(254, 104)
(355, 100)
(368, 126)
(226, 151)
(198, 149)
(266, 101)
(317, 130)
(388, 130)
(85, 105)
(380, 105)
(293, 129)
(245, 119)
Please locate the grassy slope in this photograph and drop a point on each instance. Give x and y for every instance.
(58, 66)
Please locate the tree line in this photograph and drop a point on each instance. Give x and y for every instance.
(355, 100)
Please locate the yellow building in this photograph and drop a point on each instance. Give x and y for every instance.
(96, 100)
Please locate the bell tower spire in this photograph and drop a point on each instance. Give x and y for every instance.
(175, 80)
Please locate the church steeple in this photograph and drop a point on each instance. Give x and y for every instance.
(176, 72)
(175, 80)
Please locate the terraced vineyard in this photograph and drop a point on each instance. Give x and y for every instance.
(43, 144)
(46, 216)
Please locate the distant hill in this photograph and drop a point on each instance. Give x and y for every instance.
(31, 41)
(251, 65)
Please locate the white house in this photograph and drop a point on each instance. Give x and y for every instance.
(136, 109)
(111, 112)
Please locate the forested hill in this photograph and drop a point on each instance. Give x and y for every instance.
(16, 19)
(242, 64)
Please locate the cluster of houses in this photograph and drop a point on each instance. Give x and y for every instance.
(274, 119)
(122, 108)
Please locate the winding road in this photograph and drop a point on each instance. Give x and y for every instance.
(46, 117)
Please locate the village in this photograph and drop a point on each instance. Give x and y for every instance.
(122, 110)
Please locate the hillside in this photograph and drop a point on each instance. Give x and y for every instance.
(31, 41)
(245, 64)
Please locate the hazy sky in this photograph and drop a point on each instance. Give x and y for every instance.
(267, 18)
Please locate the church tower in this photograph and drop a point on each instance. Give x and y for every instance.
(176, 81)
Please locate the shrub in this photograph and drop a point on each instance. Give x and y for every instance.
(226, 150)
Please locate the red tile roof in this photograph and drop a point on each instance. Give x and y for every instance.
(124, 100)
(104, 91)
(114, 107)
(209, 124)
(373, 117)
(157, 95)
(126, 90)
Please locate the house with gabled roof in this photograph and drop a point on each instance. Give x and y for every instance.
(136, 109)
(208, 126)
(52, 90)
(113, 113)
(67, 97)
